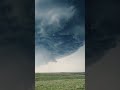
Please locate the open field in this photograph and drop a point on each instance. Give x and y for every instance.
(59, 81)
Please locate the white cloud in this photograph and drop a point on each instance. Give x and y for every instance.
(72, 63)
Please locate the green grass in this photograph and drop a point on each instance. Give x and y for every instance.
(59, 81)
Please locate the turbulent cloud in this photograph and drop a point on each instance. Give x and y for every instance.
(59, 31)
(53, 20)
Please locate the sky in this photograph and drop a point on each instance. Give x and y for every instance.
(72, 63)
(59, 36)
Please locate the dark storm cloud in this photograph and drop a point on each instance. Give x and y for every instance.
(59, 27)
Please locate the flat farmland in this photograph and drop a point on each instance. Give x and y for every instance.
(59, 81)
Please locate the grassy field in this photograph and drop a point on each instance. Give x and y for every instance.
(59, 81)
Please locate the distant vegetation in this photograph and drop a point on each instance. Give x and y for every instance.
(59, 81)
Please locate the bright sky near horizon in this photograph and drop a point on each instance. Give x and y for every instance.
(72, 63)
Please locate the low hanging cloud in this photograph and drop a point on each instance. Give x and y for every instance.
(42, 56)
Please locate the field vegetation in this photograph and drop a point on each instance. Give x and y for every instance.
(59, 81)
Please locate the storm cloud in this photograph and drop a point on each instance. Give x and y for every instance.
(59, 29)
